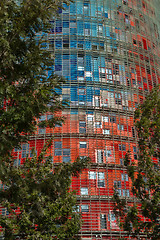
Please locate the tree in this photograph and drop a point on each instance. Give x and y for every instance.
(38, 201)
(27, 82)
(143, 216)
(36, 195)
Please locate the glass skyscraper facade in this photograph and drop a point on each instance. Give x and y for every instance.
(109, 53)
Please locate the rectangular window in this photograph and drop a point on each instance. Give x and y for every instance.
(111, 217)
(16, 149)
(66, 97)
(84, 208)
(92, 175)
(132, 70)
(80, 79)
(102, 47)
(84, 191)
(80, 63)
(75, 208)
(81, 103)
(105, 119)
(119, 192)
(82, 127)
(98, 125)
(120, 127)
(127, 193)
(83, 144)
(96, 101)
(115, 69)
(102, 71)
(133, 81)
(58, 144)
(118, 98)
(135, 156)
(134, 41)
(109, 78)
(17, 162)
(57, 152)
(41, 131)
(42, 118)
(49, 117)
(101, 180)
(82, 124)
(106, 131)
(100, 156)
(58, 125)
(108, 153)
(90, 118)
(124, 192)
(103, 222)
(25, 150)
(58, 148)
(25, 147)
(122, 147)
(144, 80)
(33, 152)
(66, 43)
(3, 186)
(66, 155)
(134, 149)
(124, 177)
(117, 184)
(81, 91)
(133, 132)
(109, 71)
(127, 18)
(88, 74)
(80, 46)
(100, 30)
(95, 47)
(73, 24)
(4, 212)
(113, 119)
(86, 32)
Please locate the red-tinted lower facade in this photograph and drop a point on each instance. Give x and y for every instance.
(109, 53)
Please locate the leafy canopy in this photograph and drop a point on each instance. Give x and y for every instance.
(35, 196)
(143, 217)
(27, 81)
(38, 201)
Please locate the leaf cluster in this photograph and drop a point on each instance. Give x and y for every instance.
(36, 195)
(143, 217)
(38, 199)
(27, 82)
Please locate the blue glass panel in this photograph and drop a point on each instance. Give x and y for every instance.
(79, 7)
(87, 45)
(73, 31)
(58, 44)
(93, 8)
(73, 9)
(73, 44)
(94, 29)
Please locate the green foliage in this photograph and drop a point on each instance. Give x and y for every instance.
(143, 217)
(26, 89)
(38, 199)
(35, 195)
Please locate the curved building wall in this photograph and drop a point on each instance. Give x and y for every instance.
(109, 52)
